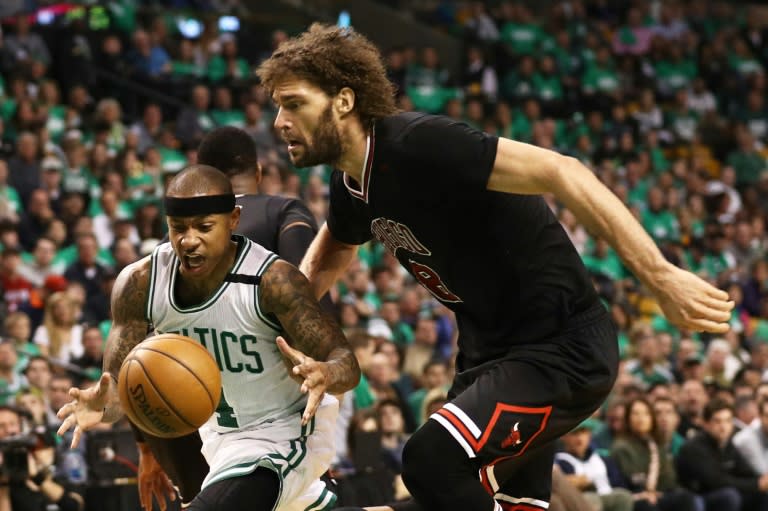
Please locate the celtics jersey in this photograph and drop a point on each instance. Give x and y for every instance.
(256, 386)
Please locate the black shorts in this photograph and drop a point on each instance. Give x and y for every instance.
(257, 491)
(506, 414)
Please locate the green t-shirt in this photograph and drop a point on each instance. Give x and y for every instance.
(548, 88)
(218, 69)
(171, 160)
(56, 122)
(181, 68)
(661, 225)
(675, 75)
(11, 196)
(600, 80)
(364, 398)
(522, 38)
(228, 118)
(514, 86)
(610, 265)
(748, 166)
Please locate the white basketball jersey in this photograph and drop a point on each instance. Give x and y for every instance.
(256, 386)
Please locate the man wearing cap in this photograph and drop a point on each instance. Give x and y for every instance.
(587, 470)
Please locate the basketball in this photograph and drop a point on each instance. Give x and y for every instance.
(169, 385)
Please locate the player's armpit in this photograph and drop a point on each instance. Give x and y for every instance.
(285, 292)
(129, 323)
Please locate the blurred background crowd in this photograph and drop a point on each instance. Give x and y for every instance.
(102, 102)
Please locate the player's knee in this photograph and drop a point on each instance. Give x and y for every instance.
(431, 453)
(416, 460)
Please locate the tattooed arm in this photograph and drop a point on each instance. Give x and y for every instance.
(286, 293)
(129, 324)
(101, 402)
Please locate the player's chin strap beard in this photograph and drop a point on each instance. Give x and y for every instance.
(199, 205)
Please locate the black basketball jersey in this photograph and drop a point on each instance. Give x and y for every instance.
(501, 261)
(264, 217)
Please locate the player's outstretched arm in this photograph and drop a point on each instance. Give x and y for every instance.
(325, 261)
(319, 351)
(686, 300)
(101, 402)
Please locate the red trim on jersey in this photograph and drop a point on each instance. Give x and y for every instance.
(486, 483)
(367, 166)
(509, 506)
(461, 428)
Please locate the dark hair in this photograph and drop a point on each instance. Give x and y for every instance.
(654, 433)
(35, 358)
(332, 58)
(716, 405)
(229, 149)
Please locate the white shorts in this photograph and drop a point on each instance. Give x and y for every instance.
(298, 454)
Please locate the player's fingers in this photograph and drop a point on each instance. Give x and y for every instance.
(66, 425)
(74, 393)
(66, 409)
(76, 437)
(143, 492)
(707, 325)
(722, 305)
(171, 490)
(312, 404)
(716, 293)
(104, 382)
(160, 497)
(704, 312)
(293, 355)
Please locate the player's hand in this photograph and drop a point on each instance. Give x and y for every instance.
(314, 376)
(86, 409)
(691, 303)
(153, 481)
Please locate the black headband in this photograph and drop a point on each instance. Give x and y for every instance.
(200, 205)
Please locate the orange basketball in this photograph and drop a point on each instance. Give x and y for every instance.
(169, 385)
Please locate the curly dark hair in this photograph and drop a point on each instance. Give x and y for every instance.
(332, 58)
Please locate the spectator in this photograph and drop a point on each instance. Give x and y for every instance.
(587, 470)
(24, 168)
(60, 337)
(752, 441)
(667, 421)
(647, 469)
(710, 465)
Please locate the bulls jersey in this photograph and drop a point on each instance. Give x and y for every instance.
(256, 386)
(501, 261)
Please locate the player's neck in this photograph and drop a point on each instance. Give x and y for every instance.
(354, 143)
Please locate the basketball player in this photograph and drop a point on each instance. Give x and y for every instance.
(462, 212)
(281, 225)
(267, 443)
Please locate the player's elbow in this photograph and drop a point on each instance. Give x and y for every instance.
(564, 172)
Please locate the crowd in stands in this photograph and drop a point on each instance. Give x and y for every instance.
(665, 100)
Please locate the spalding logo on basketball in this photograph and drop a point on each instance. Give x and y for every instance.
(169, 385)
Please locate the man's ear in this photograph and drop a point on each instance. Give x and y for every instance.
(234, 220)
(344, 101)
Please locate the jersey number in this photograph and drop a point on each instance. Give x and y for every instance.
(225, 415)
(429, 278)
